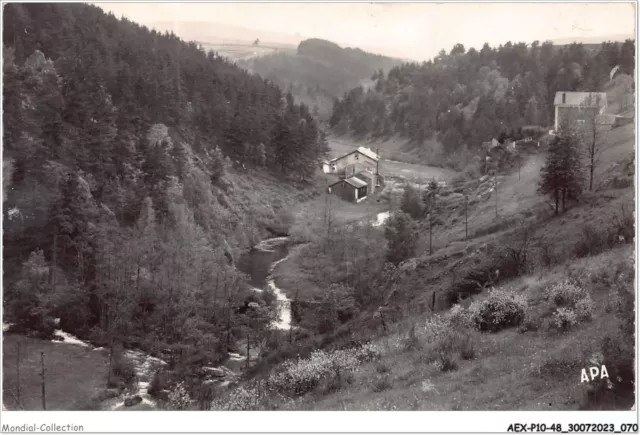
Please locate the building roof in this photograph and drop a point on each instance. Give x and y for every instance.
(364, 176)
(353, 181)
(367, 152)
(362, 150)
(573, 99)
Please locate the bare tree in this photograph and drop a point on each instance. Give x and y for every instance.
(590, 131)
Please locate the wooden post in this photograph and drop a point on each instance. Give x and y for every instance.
(248, 354)
(495, 178)
(18, 373)
(44, 400)
(430, 231)
(466, 200)
(519, 163)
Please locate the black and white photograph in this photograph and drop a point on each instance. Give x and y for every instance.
(347, 206)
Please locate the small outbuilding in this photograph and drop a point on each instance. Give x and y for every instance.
(350, 189)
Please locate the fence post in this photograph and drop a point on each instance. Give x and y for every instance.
(18, 373)
(44, 400)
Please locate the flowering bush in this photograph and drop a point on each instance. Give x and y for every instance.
(459, 317)
(436, 328)
(573, 301)
(500, 310)
(564, 318)
(584, 309)
(301, 376)
(179, 398)
(566, 293)
(240, 399)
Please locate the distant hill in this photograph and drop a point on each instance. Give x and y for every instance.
(320, 71)
(220, 33)
(593, 40)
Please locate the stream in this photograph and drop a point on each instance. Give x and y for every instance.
(259, 263)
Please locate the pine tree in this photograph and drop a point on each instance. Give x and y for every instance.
(401, 234)
(561, 176)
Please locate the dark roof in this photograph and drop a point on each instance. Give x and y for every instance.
(355, 182)
(574, 99)
(364, 176)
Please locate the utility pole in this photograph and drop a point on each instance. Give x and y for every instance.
(44, 400)
(466, 200)
(518, 166)
(18, 373)
(495, 179)
(433, 208)
(378, 167)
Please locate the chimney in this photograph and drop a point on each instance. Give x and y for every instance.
(564, 97)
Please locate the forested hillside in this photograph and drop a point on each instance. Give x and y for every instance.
(320, 71)
(120, 201)
(466, 97)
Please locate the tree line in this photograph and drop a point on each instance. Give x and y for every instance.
(466, 97)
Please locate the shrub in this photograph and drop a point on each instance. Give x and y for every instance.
(445, 361)
(584, 309)
(179, 398)
(573, 301)
(500, 310)
(435, 328)
(565, 318)
(303, 375)
(467, 349)
(123, 367)
(240, 399)
(566, 293)
(530, 323)
(458, 317)
(411, 341)
(157, 384)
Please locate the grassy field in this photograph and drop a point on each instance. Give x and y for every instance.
(73, 374)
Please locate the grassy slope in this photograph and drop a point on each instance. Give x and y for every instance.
(538, 371)
(74, 374)
(541, 371)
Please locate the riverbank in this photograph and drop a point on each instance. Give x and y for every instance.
(292, 276)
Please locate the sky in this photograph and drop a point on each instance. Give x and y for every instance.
(407, 30)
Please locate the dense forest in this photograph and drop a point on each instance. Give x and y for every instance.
(319, 72)
(116, 143)
(466, 97)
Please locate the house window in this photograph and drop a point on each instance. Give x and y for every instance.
(580, 121)
(357, 157)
